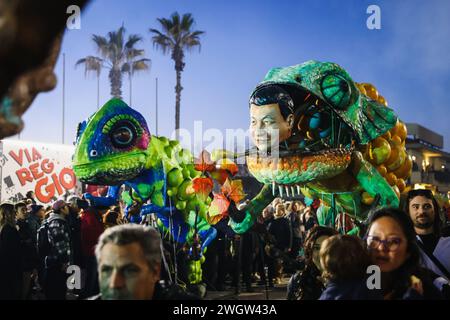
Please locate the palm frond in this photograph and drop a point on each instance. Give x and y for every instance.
(175, 17)
(141, 65)
(133, 39)
(134, 53)
(161, 41)
(187, 22)
(91, 64)
(166, 24)
(102, 45)
(191, 40)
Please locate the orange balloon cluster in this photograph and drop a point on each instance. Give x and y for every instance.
(387, 152)
(372, 92)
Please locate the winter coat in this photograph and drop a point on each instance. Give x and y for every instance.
(11, 269)
(91, 229)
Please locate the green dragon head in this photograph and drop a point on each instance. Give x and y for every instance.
(326, 116)
(111, 146)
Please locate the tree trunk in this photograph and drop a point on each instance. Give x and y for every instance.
(115, 78)
(178, 89)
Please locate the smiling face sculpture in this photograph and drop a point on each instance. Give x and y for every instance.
(271, 112)
(312, 126)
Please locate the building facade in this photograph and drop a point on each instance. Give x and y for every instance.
(431, 164)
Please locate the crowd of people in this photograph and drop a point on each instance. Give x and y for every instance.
(395, 254)
(38, 244)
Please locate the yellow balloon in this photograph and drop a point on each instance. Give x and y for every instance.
(371, 91)
(392, 130)
(405, 170)
(401, 184)
(382, 170)
(387, 135)
(399, 161)
(394, 155)
(396, 140)
(401, 131)
(362, 90)
(391, 179)
(381, 150)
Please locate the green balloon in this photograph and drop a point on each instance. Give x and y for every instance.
(186, 173)
(194, 173)
(164, 140)
(181, 205)
(168, 150)
(174, 178)
(182, 190)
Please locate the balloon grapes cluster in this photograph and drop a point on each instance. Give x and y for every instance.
(387, 152)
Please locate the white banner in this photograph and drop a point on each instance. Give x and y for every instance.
(45, 169)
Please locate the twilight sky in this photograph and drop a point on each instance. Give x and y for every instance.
(408, 60)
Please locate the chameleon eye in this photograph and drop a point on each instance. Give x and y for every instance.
(123, 135)
(336, 91)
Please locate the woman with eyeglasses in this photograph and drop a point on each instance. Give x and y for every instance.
(391, 241)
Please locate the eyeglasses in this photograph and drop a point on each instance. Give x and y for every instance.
(392, 244)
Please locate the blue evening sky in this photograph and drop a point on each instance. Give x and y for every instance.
(408, 60)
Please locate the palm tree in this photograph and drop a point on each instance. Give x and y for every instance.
(134, 64)
(176, 36)
(116, 54)
(92, 64)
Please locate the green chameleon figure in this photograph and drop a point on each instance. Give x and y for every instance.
(114, 147)
(319, 133)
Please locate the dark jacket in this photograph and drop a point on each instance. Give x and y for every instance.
(28, 246)
(10, 264)
(430, 292)
(223, 229)
(350, 290)
(308, 223)
(34, 223)
(304, 285)
(281, 231)
(74, 222)
(295, 222)
(163, 292)
(59, 241)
